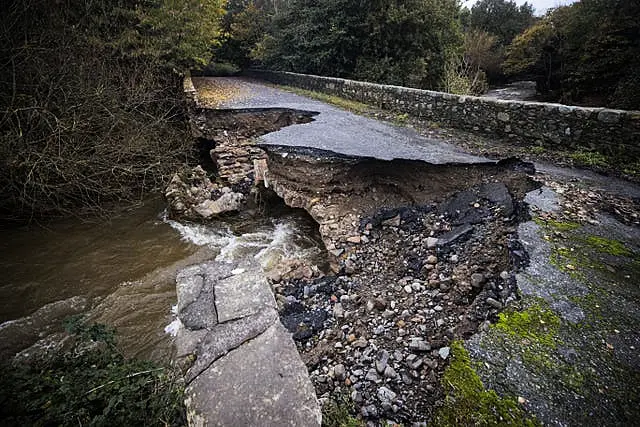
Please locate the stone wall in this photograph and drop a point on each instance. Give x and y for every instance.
(611, 132)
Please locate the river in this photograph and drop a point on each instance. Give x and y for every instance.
(121, 271)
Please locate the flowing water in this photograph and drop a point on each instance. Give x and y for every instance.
(122, 272)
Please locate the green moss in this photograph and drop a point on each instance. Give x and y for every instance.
(536, 324)
(538, 149)
(590, 158)
(337, 411)
(557, 225)
(469, 403)
(345, 104)
(608, 246)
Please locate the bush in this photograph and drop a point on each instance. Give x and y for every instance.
(90, 100)
(91, 384)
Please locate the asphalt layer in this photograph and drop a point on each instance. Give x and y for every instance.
(337, 130)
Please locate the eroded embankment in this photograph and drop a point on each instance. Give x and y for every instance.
(423, 255)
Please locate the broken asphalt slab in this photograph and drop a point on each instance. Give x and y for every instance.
(335, 129)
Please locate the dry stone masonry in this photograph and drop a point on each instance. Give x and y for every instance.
(611, 132)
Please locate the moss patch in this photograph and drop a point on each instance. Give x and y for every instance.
(557, 225)
(591, 158)
(469, 403)
(354, 106)
(608, 246)
(337, 412)
(535, 324)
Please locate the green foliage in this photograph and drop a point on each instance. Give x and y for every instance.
(90, 101)
(181, 32)
(91, 384)
(501, 18)
(586, 52)
(409, 42)
(403, 42)
(337, 412)
(469, 404)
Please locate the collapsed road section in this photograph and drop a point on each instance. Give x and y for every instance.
(426, 269)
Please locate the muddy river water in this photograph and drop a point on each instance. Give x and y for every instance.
(122, 271)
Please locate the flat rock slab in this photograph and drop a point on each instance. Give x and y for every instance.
(262, 383)
(242, 294)
(247, 370)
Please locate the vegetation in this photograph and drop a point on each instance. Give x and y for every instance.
(90, 99)
(91, 384)
(535, 324)
(585, 53)
(337, 412)
(468, 403)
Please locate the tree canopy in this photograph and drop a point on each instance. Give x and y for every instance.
(588, 52)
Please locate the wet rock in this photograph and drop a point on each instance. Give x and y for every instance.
(228, 202)
(494, 303)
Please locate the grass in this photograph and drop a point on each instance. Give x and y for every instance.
(345, 104)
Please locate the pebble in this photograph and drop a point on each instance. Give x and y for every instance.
(477, 279)
(372, 376)
(444, 352)
(408, 289)
(432, 259)
(370, 305)
(338, 311)
(339, 372)
(432, 242)
(504, 275)
(370, 411)
(418, 344)
(360, 343)
(386, 394)
(414, 362)
(494, 303)
(389, 372)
